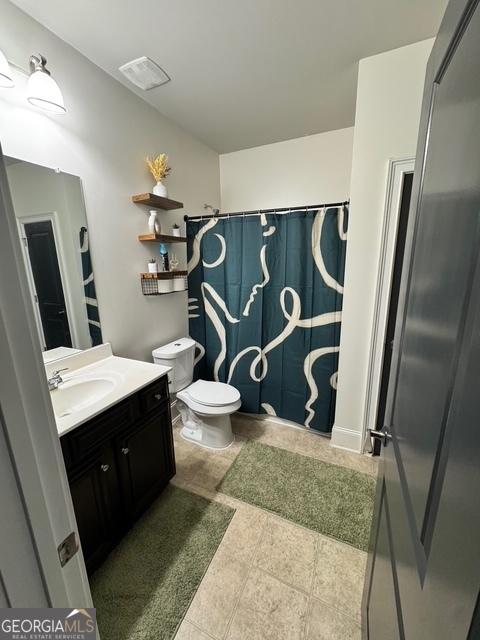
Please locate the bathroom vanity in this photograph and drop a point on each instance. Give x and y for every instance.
(119, 459)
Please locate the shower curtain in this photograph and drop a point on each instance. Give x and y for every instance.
(265, 300)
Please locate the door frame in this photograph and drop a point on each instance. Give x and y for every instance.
(29, 428)
(52, 217)
(397, 168)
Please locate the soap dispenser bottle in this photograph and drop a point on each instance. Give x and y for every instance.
(164, 262)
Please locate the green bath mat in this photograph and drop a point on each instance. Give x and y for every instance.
(145, 586)
(332, 500)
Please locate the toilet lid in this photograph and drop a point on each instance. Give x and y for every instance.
(215, 394)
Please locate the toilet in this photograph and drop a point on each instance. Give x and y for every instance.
(205, 407)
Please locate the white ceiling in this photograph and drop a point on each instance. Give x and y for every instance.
(244, 72)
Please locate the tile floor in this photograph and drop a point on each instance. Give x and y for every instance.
(271, 579)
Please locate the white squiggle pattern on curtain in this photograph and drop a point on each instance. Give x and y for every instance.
(293, 320)
(340, 220)
(195, 259)
(317, 252)
(256, 287)
(217, 323)
(269, 410)
(307, 369)
(200, 354)
(334, 380)
(270, 231)
(221, 257)
(192, 307)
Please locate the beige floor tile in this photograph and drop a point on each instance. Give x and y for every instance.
(244, 533)
(211, 470)
(268, 610)
(287, 552)
(339, 576)
(217, 596)
(325, 623)
(188, 463)
(234, 449)
(187, 631)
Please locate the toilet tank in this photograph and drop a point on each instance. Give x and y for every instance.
(178, 355)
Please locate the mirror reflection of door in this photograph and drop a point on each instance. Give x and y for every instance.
(46, 283)
(52, 222)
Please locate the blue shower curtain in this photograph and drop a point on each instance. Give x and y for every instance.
(265, 300)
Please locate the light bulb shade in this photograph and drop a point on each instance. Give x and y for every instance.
(6, 78)
(44, 92)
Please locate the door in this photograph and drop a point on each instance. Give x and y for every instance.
(393, 303)
(96, 498)
(50, 297)
(146, 461)
(424, 570)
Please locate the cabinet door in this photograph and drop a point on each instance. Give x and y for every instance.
(95, 494)
(146, 461)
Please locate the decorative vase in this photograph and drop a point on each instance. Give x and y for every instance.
(153, 223)
(160, 189)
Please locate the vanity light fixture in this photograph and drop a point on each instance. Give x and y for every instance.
(43, 91)
(6, 78)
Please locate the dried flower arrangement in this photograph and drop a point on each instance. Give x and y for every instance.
(158, 166)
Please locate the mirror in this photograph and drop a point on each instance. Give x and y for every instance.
(52, 225)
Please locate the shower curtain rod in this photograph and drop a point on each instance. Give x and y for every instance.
(257, 212)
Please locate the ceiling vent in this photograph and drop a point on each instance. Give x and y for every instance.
(144, 73)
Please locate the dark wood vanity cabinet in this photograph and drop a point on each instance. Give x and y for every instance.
(117, 463)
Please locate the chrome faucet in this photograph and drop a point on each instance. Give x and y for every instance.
(56, 380)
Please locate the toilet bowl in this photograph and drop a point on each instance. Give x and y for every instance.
(204, 406)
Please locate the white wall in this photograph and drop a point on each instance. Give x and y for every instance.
(310, 170)
(104, 138)
(389, 95)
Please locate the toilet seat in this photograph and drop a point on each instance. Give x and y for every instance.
(211, 398)
(215, 394)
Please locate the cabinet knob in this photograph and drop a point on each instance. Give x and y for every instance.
(158, 396)
(125, 451)
(105, 467)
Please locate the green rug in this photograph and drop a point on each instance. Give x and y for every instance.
(332, 500)
(143, 589)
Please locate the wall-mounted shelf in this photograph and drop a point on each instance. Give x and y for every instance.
(165, 293)
(160, 237)
(164, 275)
(151, 200)
(150, 282)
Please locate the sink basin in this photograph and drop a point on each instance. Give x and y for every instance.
(77, 394)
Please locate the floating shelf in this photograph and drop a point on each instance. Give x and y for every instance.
(151, 200)
(164, 275)
(165, 293)
(160, 237)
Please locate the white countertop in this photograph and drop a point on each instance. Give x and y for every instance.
(128, 376)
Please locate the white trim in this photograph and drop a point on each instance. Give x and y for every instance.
(396, 170)
(346, 439)
(30, 430)
(52, 216)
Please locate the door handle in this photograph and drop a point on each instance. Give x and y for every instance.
(384, 435)
(104, 467)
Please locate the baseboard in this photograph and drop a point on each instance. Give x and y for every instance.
(347, 439)
(265, 417)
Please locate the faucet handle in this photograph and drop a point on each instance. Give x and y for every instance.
(57, 371)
